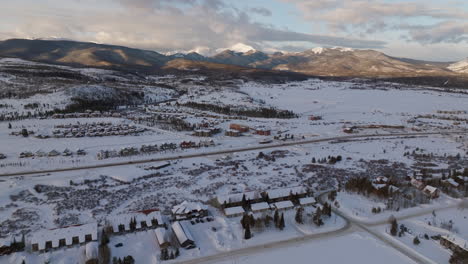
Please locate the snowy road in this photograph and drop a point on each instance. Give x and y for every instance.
(229, 151)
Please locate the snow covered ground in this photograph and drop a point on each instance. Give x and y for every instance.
(56, 199)
(351, 248)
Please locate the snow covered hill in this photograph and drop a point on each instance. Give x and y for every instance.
(461, 66)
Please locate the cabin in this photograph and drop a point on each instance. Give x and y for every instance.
(183, 235)
(162, 237)
(454, 243)
(234, 211)
(136, 220)
(260, 207)
(65, 236)
(188, 210)
(307, 201)
(283, 205)
(431, 191)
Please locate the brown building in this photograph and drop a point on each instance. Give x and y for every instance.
(238, 127)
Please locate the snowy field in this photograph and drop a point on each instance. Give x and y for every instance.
(351, 248)
(32, 203)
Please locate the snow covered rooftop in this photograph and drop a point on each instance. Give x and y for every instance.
(233, 210)
(237, 197)
(283, 205)
(146, 216)
(285, 192)
(453, 182)
(182, 233)
(187, 207)
(260, 206)
(67, 233)
(307, 200)
(161, 236)
(430, 189)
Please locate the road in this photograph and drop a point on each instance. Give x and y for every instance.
(228, 151)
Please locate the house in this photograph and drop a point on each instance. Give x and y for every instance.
(260, 207)
(381, 180)
(283, 205)
(451, 183)
(432, 192)
(236, 198)
(240, 128)
(189, 210)
(234, 211)
(136, 220)
(162, 237)
(283, 194)
(314, 118)
(183, 235)
(417, 183)
(66, 236)
(454, 243)
(263, 131)
(202, 133)
(307, 201)
(232, 133)
(54, 153)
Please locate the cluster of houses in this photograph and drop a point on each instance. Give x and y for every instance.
(146, 149)
(431, 191)
(87, 114)
(99, 129)
(236, 130)
(62, 237)
(235, 205)
(53, 153)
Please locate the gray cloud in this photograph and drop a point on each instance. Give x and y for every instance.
(161, 24)
(261, 11)
(366, 17)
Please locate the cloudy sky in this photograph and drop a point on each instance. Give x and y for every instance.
(421, 29)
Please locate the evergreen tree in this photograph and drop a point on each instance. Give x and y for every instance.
(9, 127)
(281, 223)
(299, 215)
(24, 132)
(172, 255)
(177, 253)
(244, 201)
(267, 220)
(276, 218)
(416, 240)
(247, 233)
(394, 227)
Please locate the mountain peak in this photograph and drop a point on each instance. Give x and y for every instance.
(241, 47)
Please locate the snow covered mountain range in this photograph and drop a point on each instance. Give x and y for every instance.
(317, 61)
